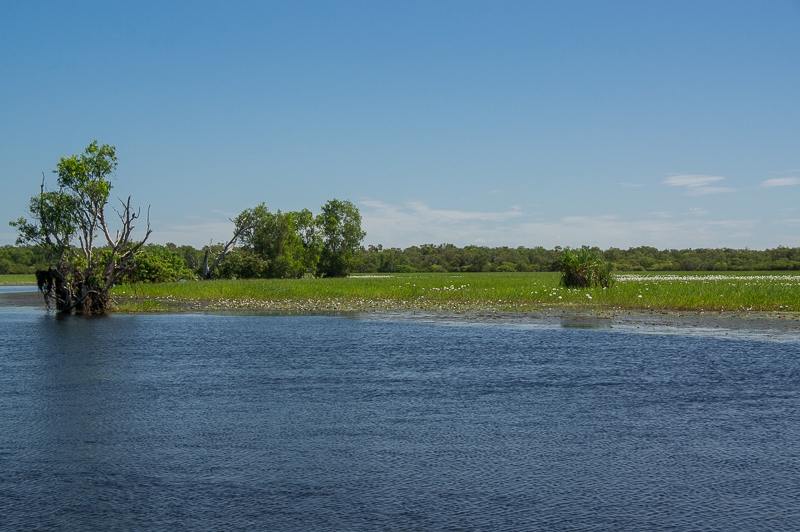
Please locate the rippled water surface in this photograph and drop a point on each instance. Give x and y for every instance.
(211, 422)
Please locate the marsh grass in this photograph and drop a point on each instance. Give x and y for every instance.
(473, 292)
(17, 279)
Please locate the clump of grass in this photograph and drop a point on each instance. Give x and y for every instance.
(584, 269)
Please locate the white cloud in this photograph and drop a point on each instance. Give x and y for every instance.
(781, 182)
(418, 210)
(696, 184)
(416, 223)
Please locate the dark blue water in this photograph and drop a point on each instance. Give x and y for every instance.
(205, 422)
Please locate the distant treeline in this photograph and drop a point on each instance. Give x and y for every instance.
(170, 262)
(449, 258)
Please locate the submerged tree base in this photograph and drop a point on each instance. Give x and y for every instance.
(59, 292)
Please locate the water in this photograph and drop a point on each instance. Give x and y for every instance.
(209, 422)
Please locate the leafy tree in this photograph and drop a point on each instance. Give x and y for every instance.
(243, 264)
(192, 258)
(274, 238)
(160, 264)
(279, 244)
(340, 225)
(67, 223)
(305, 226)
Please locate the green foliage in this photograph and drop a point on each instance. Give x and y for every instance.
(276, 241)
(279, 244)
(340, 225)
(192, 258)
(54, 224)
(65, 223)
(21, 259)
(507, 267)
(160, 264)
(584, 269)
(447, 257)
(294, 244)
(306, 229)
(75, 210)
(243, 264)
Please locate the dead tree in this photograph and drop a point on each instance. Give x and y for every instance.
(243, 223)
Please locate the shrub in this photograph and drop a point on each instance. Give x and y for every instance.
(584, 269)
(159, 264)
(242, 264)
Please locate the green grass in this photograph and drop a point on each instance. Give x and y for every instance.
(17, 279)
(754, 291)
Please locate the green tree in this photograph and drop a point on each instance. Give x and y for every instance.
(270, 246)
(276, 241)
(340, 227)
(160, 264)
(67, 224)
(243, 264)
(305, 226)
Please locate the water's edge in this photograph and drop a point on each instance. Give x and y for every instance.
(768, 326)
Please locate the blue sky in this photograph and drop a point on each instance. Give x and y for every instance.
(670, 124)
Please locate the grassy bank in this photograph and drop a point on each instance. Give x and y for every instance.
(756, 291)
(15, 279)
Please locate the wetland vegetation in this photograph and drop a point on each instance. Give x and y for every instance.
(471, 292)
(298, 261)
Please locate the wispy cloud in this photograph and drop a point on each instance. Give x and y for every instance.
(696, 184)
(419, 211)
(781, 182)
(415, 223)
(788, 221)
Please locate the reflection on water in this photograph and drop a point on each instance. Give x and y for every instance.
(11, 289)
(310, 422)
